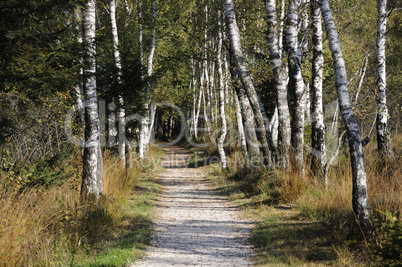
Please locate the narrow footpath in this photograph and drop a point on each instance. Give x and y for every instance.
(196, 226)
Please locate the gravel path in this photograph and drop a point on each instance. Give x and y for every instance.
(196, 225)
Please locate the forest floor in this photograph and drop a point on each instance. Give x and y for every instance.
(196, 224)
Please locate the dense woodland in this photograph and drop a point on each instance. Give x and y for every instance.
(299, 100)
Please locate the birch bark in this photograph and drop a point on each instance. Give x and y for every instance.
(296, 86)
(222, 135)
(76, 91)
(144, 134)
(246, 113)
(240, 128)
(273, 125)
(117, 61)
(281, 81)
(317, 114)
(92, 182)
(197, 115)
(282, 19)
(192, 128)
(140, 32)
(268, 149)
(383, 136)
(360, 197)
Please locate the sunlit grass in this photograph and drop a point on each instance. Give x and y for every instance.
(50, 227)
(304, 223)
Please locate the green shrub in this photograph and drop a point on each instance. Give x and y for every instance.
(388, 231)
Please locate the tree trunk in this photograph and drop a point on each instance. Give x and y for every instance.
(207, 94)
(117, 61)
(92, 181)
(152, 123)
(281, 82)
(360, 197)
(246, 113)
(268, 149)
(193, 110)
(282, 19)
(240, 128)
(76, 91)
(317, 125)
(383, 136)
(197, 115)
(206, 119)
(140, 32)
(304, 26)
(296, 86)
(144, 134)
(222, 135)
(273, 125)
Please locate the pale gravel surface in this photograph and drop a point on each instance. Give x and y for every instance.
(196, 226)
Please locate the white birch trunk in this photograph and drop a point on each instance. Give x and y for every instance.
(227, 75)
(144, 134)
(222, 135)
(152, 123)
(317, 114)
(296, 86)
(281, 82)
(117, 61)
(194, 87)
(305, 27)
(268, 149)
(383, 136)
(92, 182)
(197, 115)
(140, 32)
(360, 197)
(240, 128)
(206, 119)
(212, 90)
(362, 74)
(281, 22)
(273, 125)
(247, 114)
(207, 93)
(76, 91)
(112, 125)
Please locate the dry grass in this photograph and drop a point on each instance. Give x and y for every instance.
(305, 223)
(43, 227)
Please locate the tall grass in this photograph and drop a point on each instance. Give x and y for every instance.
(42, 226)
(329, 207)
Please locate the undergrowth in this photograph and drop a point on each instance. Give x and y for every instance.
(43, 223)
(302, 222)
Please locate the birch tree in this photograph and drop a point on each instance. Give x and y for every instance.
(247, 114)
(117, 61)
(296, 85)
(222, 135)
(317, 125)
(268, 149)
(92, 181)
(383, 136)
(281, 81)
(360, 197)
(144, 133)
(240, 127)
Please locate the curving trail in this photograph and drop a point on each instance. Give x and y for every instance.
(196, 225)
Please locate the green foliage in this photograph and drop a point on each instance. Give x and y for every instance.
(39, 46)
(51, 171)
(388, 234)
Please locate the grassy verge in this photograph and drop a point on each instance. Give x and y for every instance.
(47, 225)
(302, 223)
